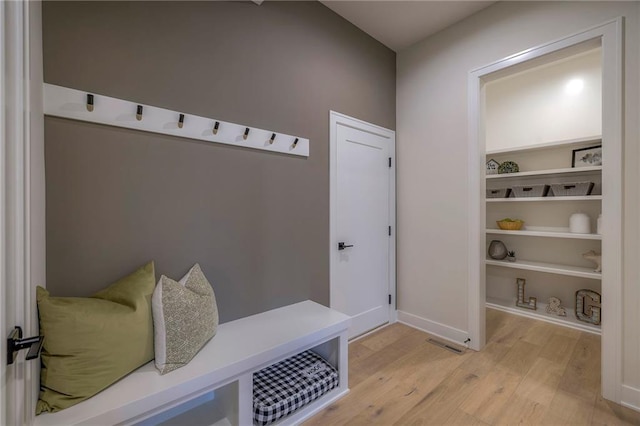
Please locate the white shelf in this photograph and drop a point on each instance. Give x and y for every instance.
(540, 314)
(550, 172)
(568, 142)
(534, 199)
(551, 268)
(548, 234)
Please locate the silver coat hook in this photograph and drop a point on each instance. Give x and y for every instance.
(181, 121)
(139, 113)
(246, 133)
(273, 137)
(215, 127)
(89, 102)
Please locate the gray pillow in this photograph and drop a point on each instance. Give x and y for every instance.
(185, 317)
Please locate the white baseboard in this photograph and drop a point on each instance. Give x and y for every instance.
(437, 329)
(630, 397)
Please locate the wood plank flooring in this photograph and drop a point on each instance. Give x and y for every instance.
(530, 373)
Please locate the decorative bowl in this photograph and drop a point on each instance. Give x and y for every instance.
(513, 225)
(508, 167)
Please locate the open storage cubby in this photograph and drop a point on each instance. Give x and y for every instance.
(221, 407)
(218, 407)
(548, 255)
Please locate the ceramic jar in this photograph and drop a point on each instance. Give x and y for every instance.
(580, 223)
(497, 250)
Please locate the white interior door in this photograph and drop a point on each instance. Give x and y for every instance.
(363, 231)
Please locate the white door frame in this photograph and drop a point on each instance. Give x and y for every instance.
(610, 35)
(22, 197)
(336, 118)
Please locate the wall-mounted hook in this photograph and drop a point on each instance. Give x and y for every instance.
(273, 137)
(295, 143)
(139, 113)
(89, 102)
(181, 121)
(246, 133)
(215, 127)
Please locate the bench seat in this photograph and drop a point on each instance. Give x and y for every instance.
(239, 349)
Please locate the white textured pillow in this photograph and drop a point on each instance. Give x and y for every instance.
(185, 317)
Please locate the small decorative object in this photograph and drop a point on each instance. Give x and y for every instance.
(492, 167)
(497, 250)
(531, 303)
(588, 306)
(511, 256)
(508, 167)
(599, 224)
(510, 224)
(594, 257)
(554, 306)
(579, 223)
(587, 157)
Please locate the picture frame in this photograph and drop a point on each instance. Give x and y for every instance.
(587, 157)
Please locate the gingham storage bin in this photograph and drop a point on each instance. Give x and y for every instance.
(282, 388)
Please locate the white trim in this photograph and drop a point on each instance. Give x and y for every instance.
(336, 118)
(611, 37)
(3, 279)
(630, 397)
(22, 191)
(477, 216)
(370, 332)
(72, 104)
(22, 231)
(35, 193)
(434, 328)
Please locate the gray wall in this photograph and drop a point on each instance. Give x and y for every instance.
(258, 223)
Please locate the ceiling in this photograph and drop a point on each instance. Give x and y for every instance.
(398, 24)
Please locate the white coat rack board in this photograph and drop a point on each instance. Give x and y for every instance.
(85, 106)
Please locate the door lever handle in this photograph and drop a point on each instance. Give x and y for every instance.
(16, 343)
(342, 246)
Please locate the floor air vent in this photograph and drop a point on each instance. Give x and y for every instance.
(446, 346)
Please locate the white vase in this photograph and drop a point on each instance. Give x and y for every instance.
(580, 223)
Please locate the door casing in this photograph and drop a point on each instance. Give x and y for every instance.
(610, 37)
(22, 198)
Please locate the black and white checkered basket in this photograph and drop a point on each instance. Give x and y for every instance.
(282, 388)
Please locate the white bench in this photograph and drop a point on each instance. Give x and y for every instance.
(216, 385)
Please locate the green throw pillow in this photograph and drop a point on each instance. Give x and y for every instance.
(90, 343)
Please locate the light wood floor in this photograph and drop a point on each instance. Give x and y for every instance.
(530, 372)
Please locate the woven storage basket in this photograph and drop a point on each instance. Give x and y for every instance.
(509, 226)
(571, 189)
(498, 193)
(521, 191)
